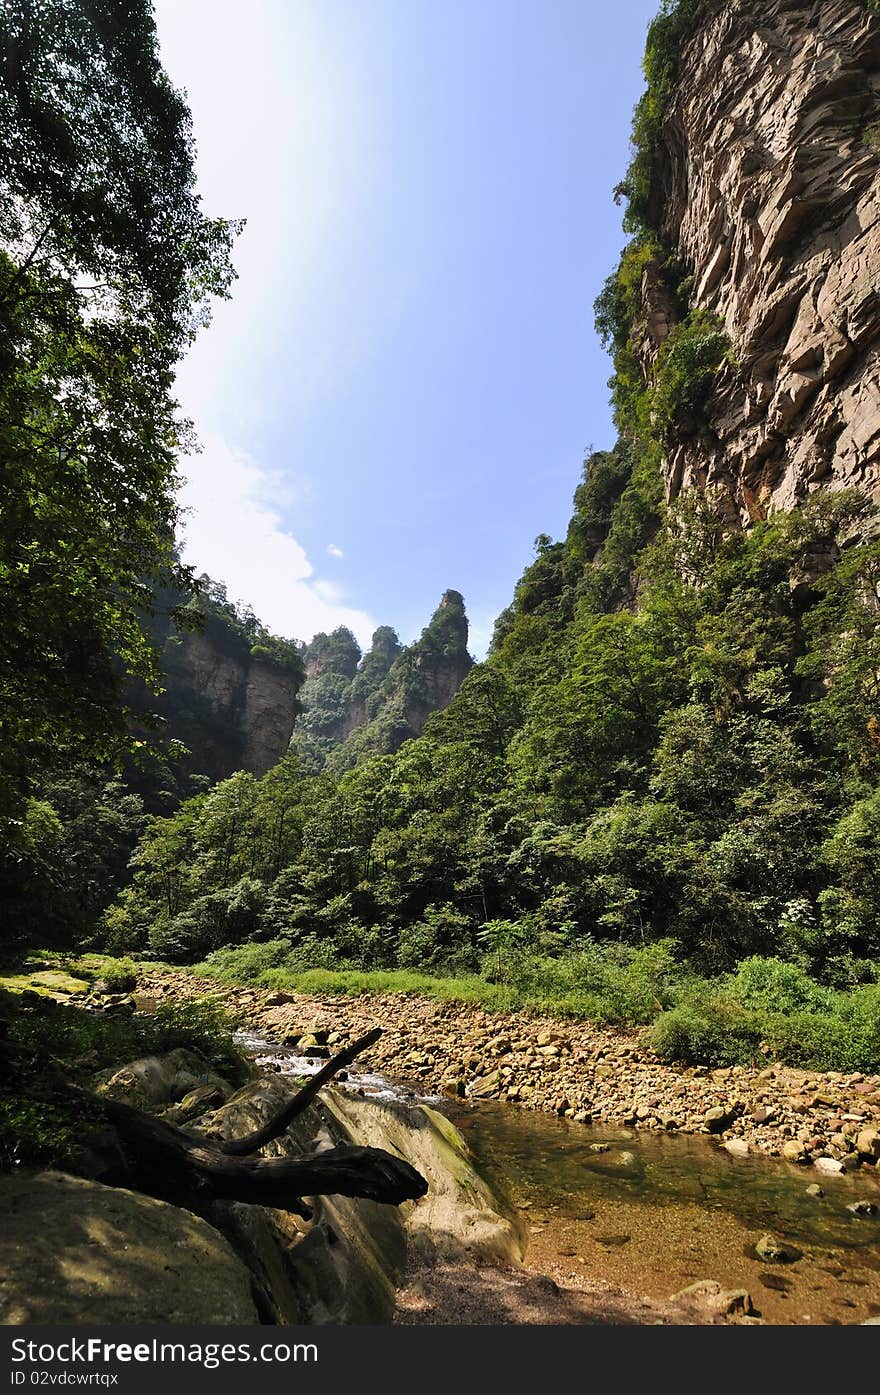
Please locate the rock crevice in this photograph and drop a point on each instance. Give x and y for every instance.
(767, 192)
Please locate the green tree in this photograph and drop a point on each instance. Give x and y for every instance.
(107, 265)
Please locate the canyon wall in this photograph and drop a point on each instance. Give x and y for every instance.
(767, 192)
(235, 711)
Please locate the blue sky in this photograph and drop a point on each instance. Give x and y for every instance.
(399, 395)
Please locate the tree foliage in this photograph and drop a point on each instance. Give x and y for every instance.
(107, 265)
(622, 775)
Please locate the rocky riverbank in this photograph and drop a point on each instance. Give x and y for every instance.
(574, 1069)
(76, 1249)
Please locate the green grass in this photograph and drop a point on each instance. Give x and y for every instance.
(54, 974)
(470, 988)
(767, 1008)
(233, 967)
(595, 985)
(598, 983)
(50, 983)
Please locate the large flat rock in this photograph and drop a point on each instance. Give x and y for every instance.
(77, 1251)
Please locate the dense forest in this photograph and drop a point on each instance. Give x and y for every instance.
(658, 796)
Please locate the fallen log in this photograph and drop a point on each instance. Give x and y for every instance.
(187, 1169)
(167, 1162)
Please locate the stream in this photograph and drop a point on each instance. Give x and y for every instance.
(653, 1212)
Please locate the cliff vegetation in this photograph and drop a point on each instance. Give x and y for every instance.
(670, 756)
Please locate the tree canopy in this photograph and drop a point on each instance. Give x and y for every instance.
(107, 267)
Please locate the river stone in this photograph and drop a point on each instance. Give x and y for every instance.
(794, 1151)
(717, 1119)
(775, 1251)
(158, 1080)
(737, 1147)
(863, 1208)
(73, 1251)
(202, 1098)
(828, 1165)
(461, 1216)
(707, 1296)
(868, 1143)
(488, 1086)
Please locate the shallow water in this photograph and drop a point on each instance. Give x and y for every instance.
(283, 1060)
(657, 1211)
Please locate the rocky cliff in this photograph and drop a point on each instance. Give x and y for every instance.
(230, 695)
(233, 710)
(766, 191)
(360, 706)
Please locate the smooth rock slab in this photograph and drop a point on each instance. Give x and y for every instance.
(73, 1251)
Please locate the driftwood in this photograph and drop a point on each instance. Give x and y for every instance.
(168, 1162)
(301, 1100)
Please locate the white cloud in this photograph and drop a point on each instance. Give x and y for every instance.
(334, 551)
(232, 532)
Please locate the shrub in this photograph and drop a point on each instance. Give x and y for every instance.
(821, 1040)
(119, 975)
(686, 368)
(87, 1041)
(245, 963)
(773, 986)
(806, 1025)
(713, 1031)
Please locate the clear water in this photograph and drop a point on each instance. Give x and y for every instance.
(657, 1212)
(654, 1212)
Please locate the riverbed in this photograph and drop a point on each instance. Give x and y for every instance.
(653, 1213)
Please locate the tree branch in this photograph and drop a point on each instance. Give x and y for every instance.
(166, 1162)
(289, 1111)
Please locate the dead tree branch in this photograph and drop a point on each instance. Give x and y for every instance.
(291, 1110)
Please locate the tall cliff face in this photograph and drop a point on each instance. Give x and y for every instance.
(230, 694)
(232, 710)
(360, 706)
(767, 191)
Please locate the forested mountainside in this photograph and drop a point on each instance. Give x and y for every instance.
(672, 749)
(355, 706)
(667, 766)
